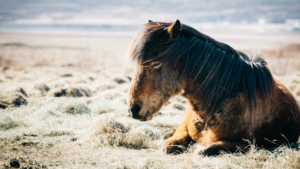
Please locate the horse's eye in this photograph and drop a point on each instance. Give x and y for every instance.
(156, 65)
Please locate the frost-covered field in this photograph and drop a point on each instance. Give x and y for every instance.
(64, 106)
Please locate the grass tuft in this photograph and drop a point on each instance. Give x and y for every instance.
(7, 123)
(108, 131)
(58, 133)
(107, 106)
(74, 107)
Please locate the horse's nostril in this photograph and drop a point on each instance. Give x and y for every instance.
(135, 109)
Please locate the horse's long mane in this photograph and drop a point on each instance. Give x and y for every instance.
(220, 71)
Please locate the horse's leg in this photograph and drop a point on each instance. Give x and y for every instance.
(221, 146)
(177, 140)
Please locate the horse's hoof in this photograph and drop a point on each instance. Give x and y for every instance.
(209, 153)
(213, 151)
(173, 149)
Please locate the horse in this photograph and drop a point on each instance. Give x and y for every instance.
(232, 98)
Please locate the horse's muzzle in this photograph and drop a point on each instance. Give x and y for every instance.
(134, 110)
(134, 113)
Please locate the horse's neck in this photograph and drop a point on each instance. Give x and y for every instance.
(189, 94)
(194, 109)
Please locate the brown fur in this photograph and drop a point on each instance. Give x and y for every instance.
(274, 121)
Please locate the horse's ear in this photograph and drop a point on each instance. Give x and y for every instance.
(174, 29)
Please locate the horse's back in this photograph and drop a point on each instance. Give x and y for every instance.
(279, 119)
(288, 110)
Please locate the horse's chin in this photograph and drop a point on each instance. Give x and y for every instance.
(148, 118)
(148, 115)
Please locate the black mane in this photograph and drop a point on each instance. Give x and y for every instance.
(220, 71)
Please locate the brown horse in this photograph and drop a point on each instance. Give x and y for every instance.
(232, 98)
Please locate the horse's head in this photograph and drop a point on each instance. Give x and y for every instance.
(154, 81)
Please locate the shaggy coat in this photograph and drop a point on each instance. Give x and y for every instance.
(231, 97)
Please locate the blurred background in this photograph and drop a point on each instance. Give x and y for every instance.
(243, 24)
(256, 24)
(128, 15)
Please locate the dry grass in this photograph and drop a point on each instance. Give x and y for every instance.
(284, 60)
(74, 115)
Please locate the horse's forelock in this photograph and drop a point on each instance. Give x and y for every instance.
(143, 41)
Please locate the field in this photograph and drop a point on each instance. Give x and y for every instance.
(63, 104)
